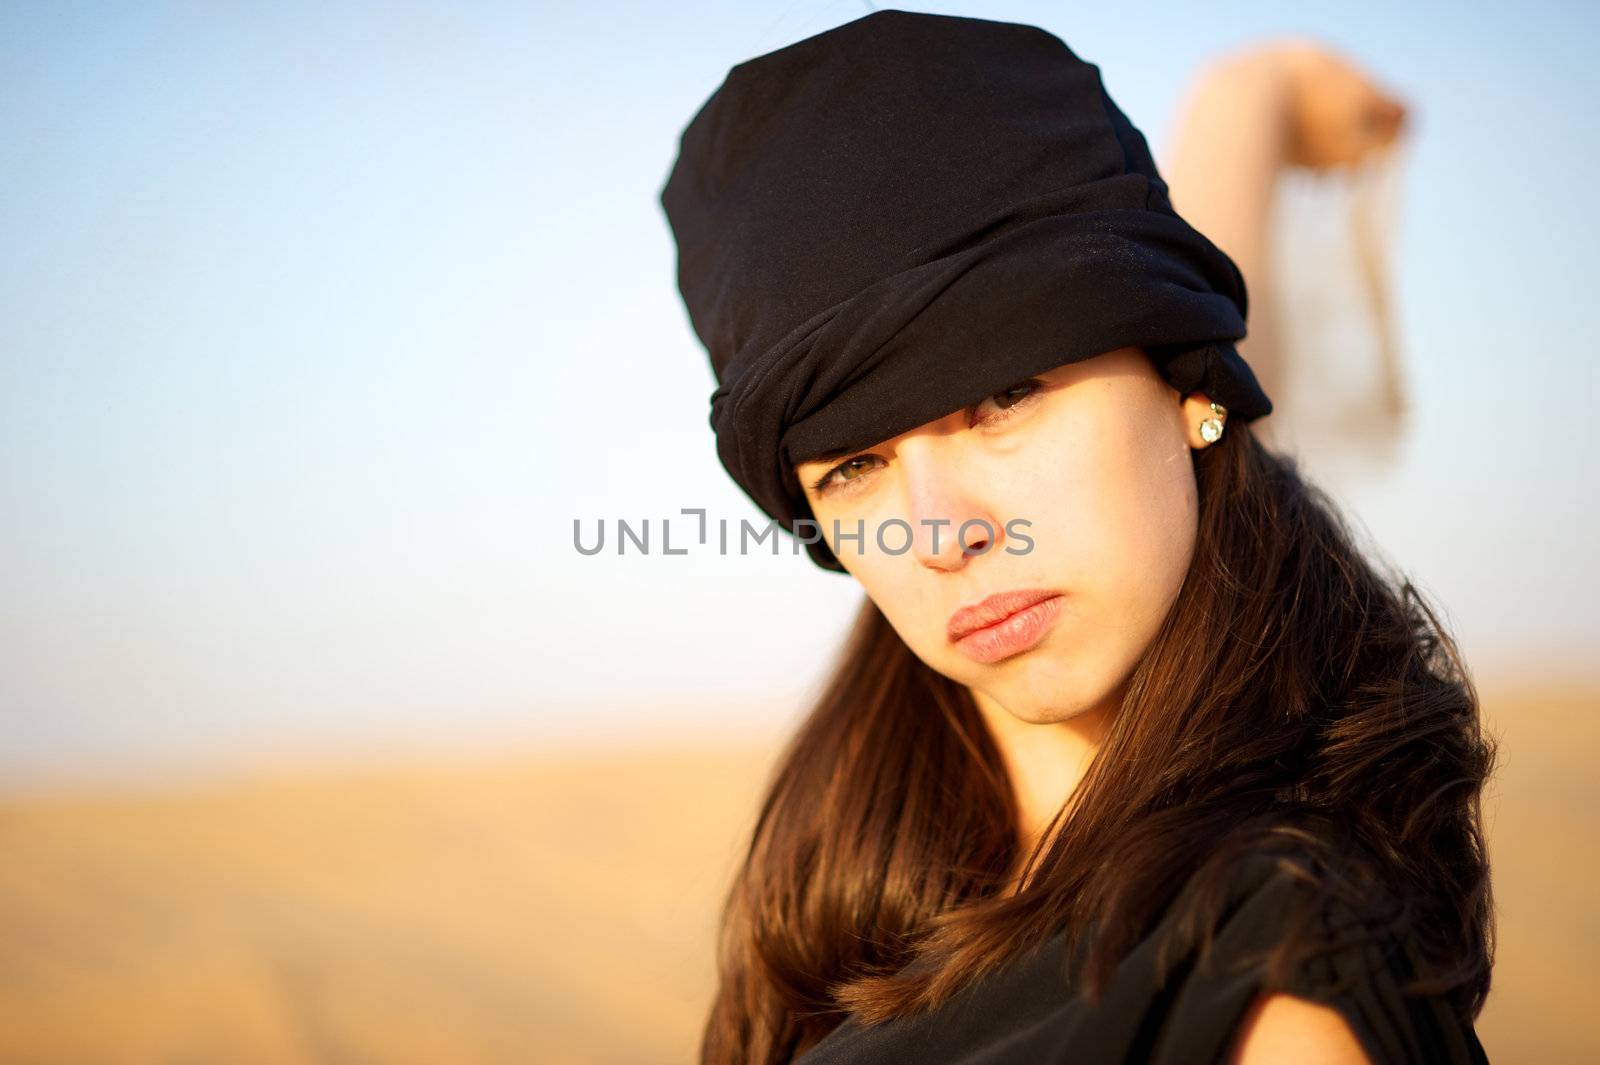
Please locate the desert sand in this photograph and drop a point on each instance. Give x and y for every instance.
(556, 907)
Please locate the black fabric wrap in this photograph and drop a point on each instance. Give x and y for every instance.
(888, 221)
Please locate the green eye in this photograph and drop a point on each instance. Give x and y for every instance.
(848, 470)
(1007, 400)
(1012, 394)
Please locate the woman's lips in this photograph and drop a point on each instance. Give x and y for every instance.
(1005, 624)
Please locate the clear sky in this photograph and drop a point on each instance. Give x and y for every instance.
(322, 322)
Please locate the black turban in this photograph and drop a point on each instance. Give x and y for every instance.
(891, 220)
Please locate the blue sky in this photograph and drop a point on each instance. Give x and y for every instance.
(323, 321)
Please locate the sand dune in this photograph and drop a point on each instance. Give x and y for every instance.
(548, 908)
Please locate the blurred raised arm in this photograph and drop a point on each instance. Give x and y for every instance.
(1246, 115)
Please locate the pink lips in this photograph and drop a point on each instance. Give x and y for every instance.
(1004, 624)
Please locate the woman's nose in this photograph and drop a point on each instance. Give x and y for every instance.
(950, 517)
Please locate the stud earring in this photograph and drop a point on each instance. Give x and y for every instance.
(1211, 428)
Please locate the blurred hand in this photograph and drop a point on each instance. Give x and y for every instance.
(1338, 116)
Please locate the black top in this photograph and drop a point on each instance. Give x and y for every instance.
(1026, 1011)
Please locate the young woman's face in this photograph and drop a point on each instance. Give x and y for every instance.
(1091, 463)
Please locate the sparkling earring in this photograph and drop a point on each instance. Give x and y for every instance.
(1211, 428)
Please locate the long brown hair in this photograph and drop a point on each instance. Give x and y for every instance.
(1295, 701)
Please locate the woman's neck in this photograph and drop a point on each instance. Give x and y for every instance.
(1045, 760)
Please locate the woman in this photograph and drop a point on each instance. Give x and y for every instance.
(1131, 755)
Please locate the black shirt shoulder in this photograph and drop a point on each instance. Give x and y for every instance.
(1362, 975)
(1174, 1008)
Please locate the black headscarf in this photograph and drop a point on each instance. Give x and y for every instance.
(891, 220)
